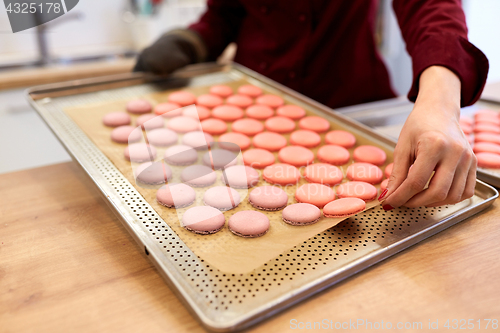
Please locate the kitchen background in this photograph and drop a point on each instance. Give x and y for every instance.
(111, 31)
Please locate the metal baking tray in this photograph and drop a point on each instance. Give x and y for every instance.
(228, 302)
(388, 116)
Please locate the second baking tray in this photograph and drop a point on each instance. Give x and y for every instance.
(225, 302)
(389, 116)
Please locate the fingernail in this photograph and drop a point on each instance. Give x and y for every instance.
(382, 195)
(387, 207)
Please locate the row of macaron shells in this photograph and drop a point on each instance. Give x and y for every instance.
(483, 133)
(342, 137)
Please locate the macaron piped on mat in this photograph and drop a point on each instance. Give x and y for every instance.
(301, 214)
(249, 224)
(344, 207)
(203, 220)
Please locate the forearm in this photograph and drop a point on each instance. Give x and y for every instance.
(439, 87)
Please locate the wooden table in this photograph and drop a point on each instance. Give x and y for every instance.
(68, 265)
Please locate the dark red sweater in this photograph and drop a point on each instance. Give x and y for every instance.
(325, 49)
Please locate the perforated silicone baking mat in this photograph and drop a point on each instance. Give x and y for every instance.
(223, 250)
(221, 301)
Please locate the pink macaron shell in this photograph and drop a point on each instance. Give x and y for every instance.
(182, 98)
(365, 172)
(175, 195)
(369, 154)
(168, 110)
(150, 121)
(258, 158)
(250, 90)
(344, 207)
(203, 220)
(315, 124)
(198, 176)
(280, 124)
(305, 138)
(296, 155)
(248, 223)
(213, 126)
(340, 138)
(139, 106)
(269, 141)
(494, 120)
(241, 101)
(333, 154)
(485, 127)
(301, 214)
(180, 155)
(221, 90)
(270, 100)
(383, 185)
(315, 194)
(259, 112)
(234, 141)
(227, 113)
(293, 112)
(488, 160)
(323, 173)
(199, 140)
(248, 126)
(356, 189)
(140, 152)
(281, 174)
(126, 134)
(268, 198)
(183, 124)
(486, 147)
(388, 170)
(240, 176)
(162, 137)
(487, 137)
(209, 101)
(222, 197)
(485, 112)
(115, 119)
(153, 173)
(197, 112)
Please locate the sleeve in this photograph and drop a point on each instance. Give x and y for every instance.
(436, 34)
(219, 25)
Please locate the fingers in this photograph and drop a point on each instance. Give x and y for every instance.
(471, 179)
(402, 162)
(415, 182)
(446, 187)
(463, 181)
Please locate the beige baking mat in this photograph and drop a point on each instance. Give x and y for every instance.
(223, 250)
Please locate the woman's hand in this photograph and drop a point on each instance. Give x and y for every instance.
(431, 140)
